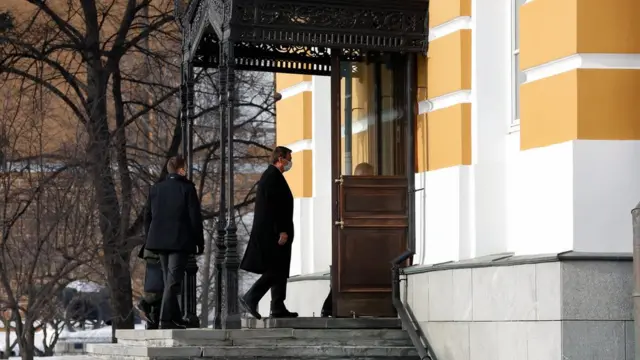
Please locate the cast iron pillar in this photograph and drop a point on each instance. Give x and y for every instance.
(222, 219)
(183, 108)
(230, 314)
(189, 302)
(635, 215)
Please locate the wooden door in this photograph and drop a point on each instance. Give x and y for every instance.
(371, 231)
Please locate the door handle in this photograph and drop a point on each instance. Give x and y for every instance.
(340, 223)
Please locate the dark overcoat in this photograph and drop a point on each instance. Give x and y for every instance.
(273, 214)
(173, 219)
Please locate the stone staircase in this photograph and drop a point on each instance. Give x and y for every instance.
(269, 339)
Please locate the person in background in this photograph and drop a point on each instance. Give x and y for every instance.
(362, 169)
(149, 305)
(174, 230)
(269, 250)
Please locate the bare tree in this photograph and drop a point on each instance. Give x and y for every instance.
(47, 220)
(111, 69)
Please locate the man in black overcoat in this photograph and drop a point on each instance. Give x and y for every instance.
(269, 250)
(173, 226)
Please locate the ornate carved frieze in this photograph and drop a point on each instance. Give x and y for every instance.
(366, 24)
(294, 36)
(196, 22)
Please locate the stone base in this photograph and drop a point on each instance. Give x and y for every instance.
(554, 307)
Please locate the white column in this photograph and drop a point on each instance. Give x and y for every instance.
(491, 64)
(322, 182)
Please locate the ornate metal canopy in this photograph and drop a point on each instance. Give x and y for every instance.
(297, 36)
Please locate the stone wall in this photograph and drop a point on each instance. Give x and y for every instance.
(527, 308)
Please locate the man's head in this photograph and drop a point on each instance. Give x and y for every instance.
(281, 158)
(177, 165)
(363, 169)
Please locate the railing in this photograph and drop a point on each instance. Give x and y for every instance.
(409, 322)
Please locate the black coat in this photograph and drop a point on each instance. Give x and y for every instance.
(273, 214)
(173, 221)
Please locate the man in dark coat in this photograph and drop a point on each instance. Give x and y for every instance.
(173, 224)
(269, 250)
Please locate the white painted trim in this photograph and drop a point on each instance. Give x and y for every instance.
(583, 61)
(296, 89)
(444, 101)
(457, 24)
(301, 145)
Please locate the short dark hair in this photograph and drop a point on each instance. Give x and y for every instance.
(279, 152)
(175, 163)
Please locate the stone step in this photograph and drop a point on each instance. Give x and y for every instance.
(120, 351)
(125, 357)
(266, 342)
(308, 351)
(322, 323)
(204, 337)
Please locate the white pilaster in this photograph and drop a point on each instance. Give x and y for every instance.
(491, 44)
(322, 182)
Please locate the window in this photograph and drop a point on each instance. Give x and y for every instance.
(517, 76)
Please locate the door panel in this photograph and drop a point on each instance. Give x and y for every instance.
(372, 230)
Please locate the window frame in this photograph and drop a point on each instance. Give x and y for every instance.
(515, 72)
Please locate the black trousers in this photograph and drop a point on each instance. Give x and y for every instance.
(173, 269)
(278, 285)
(327, 306)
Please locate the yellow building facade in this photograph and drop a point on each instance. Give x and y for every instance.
(526, 147)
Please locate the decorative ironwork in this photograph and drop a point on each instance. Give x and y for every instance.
(196, 23)
(370, 24)
(293, 36)
(207, 54)
(230, 313)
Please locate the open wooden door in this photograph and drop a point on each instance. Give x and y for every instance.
(371, 231)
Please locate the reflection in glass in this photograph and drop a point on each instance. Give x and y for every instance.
(373, 121)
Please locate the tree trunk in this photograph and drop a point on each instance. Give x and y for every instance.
(7, 339)
(27, 348)
(116, 252)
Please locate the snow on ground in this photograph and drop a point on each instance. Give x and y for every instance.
(85, 286)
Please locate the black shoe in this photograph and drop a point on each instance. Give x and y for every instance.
(253, 310)
(325, 313)
(283, 314)
(151, 326)
(172, 325)
(144, 309)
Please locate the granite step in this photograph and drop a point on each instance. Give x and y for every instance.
(124, 352)
(266, 342)
(308, 352)
(211, 337)
(322, 323)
